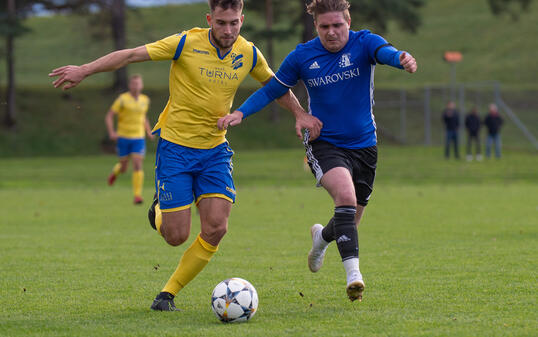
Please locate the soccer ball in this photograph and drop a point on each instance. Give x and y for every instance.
(234, 300)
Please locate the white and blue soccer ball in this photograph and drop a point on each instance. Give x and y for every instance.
(234, 300)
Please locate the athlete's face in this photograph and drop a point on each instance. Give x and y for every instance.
(333, 30)
(225, 26)
(136, 85)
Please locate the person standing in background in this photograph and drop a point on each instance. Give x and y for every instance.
(472, 124)
(493, 122)
(451, 119)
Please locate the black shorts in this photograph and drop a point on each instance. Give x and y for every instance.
(361, 163)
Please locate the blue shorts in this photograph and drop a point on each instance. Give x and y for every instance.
(127, 146)
(184, 175)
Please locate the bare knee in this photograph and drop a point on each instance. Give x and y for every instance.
(123, 166)
(214, 228)
(345, 198)
(174, 235)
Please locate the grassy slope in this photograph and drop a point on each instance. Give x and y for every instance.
(455, 258)
(494, 48)
(63, 39)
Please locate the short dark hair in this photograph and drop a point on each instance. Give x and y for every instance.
(225, 4)
(317, 7)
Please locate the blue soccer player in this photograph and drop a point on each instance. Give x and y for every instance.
(337, 68)
(194, 160)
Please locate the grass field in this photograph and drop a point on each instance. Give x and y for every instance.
(447, 249)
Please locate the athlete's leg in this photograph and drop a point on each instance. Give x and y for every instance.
(119, 168)
(138, 177)
(175, 226)
(339, 183)
(214, 214)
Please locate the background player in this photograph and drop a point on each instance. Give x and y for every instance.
(337, 69)
(131, 108)
(193, 157)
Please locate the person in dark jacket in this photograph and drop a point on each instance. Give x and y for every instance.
(493, 122)
(451, 119)
(472, 124)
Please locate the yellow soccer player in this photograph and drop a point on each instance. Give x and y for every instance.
(131, 108)
(194, 160)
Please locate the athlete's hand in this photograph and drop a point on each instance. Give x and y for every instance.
(113, 136)
(71, 76)
(309, 122)
(408, 62)
(232, 119)
(151, 136)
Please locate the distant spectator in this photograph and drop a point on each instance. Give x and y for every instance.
(451, 118)
(472, 124)
(493, 122)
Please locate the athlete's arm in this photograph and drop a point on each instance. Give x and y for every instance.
(109, 121)
(384, 53)
(71, 75)
(303, 120)
(148, 129)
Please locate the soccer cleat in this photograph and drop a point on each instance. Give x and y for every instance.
(317, 253)
(164, 302)
(111, 179)
(151, 212)
(138, 200)
(355, 287)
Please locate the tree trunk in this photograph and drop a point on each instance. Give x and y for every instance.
(308, 22)
(269, 17)
(10, 118)
(118, 33)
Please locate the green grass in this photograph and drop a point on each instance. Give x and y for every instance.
(447, 249)
(494, 48)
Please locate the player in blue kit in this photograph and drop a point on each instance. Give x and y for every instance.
(337, 68)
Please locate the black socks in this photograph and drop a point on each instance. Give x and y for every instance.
(342, 229)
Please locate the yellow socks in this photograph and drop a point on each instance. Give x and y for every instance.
(138, 182)
(116, 169)
(192, 262)
(158, 218)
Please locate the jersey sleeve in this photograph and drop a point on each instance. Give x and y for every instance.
(260, 69)
(116, 106)
(382, 52)
(168, 48)
(289, 72)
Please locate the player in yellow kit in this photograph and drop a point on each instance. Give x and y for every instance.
(131, 108)
(193, 161)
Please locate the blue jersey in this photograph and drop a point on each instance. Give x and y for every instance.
(340, 86)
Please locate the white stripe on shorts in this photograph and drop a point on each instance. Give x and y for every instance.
(311, 159)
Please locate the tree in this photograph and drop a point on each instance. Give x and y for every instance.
(11, 27)
(111, 13)
(272, 11)
(511, 7)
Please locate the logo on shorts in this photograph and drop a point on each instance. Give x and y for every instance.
(231, 190)
(163, 195)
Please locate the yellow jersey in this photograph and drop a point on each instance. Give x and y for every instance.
(202, 85)
(131, 115)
